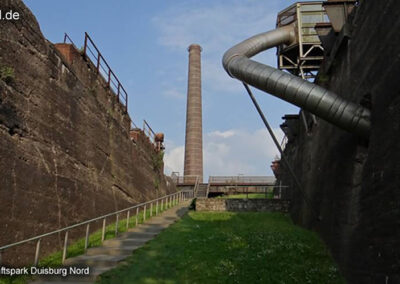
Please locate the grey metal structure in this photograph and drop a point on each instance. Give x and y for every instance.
(304, 56)
(313, 98)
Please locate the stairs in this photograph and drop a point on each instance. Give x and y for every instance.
(202, 191)
(114, 251)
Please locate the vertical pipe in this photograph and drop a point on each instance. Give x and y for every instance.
(87, 237)
(64, 255)
(85, 45)
(116, 224)
(119, 87)
(37, 252)
(109, 78)
(137, 216)
(144, 213)
(127, 220)
(126, 102)
(157, 208)
(161, 207)
(98, 62)
(103, 231)
(151, 209)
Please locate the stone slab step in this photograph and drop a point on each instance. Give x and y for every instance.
(112, 250)
(125, 242)
(138, 235)
(100, 260)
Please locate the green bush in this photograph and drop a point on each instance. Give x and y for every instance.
(7, 74)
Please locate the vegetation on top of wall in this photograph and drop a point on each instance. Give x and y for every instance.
(7, 74)
(156, 182)
(158, 160)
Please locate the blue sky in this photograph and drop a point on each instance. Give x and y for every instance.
(145, 43)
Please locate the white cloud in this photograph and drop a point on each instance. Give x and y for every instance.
(174, 93)
(231, 152)
(216, 28)
(223, 134)
(213, 26)
(173, 159)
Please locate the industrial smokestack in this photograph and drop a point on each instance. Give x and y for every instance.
(194, 137)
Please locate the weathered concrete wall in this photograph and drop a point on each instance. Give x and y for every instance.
(242, 205)
(66, 154)
(354, 184)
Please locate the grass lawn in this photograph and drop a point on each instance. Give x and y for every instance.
(210, 247)
(269, 195)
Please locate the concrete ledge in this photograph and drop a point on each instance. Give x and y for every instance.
(243, 205)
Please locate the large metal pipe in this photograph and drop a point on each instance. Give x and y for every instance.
(313, 98)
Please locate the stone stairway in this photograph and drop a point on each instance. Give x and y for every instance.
(202, 191)
(114, 251)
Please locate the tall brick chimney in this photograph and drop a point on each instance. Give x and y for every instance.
(194, 136)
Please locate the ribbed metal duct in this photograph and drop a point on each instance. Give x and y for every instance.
(313, 98)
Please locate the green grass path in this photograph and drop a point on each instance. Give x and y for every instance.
(207, 247)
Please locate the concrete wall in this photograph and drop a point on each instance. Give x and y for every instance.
(242, 205)
(66, 154)
(351, 183)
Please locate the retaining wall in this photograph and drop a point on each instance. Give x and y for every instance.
(242, 205)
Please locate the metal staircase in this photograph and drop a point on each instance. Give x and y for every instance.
(202, 190)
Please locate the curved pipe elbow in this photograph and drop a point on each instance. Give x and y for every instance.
(313, 98)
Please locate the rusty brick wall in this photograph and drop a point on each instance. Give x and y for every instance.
(66, 154)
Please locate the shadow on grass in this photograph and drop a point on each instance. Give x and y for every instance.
(209, 247)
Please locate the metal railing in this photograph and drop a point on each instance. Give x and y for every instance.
(241, 180)
(185, 180)
(68, 39)
(208, 187)
(161, 203)
(148, 131)
(196, 186)
(133, 125)
(284, 142)
(91, 52)
(188, 180)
